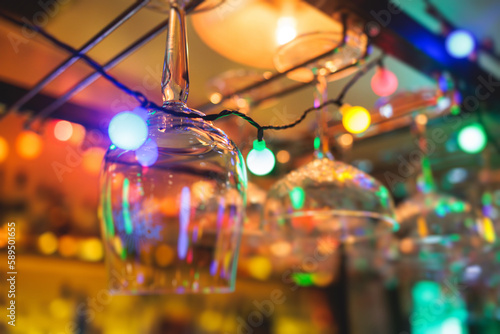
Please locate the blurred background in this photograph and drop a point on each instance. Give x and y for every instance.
(49, 178)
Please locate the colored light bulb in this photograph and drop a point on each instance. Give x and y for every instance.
(356, 119)
(384, 82)
(472, 139)
(460, 44)
(128, 130)
(260, 160)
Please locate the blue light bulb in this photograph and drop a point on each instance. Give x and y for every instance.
(128, 130)
(460, 43)
(260, 160)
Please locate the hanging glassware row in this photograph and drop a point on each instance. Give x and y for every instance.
(172, 182)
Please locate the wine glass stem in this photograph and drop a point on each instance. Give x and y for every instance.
(321, 142)
(175, 78)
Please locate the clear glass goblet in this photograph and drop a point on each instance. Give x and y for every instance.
(172, 211)
(313, 210)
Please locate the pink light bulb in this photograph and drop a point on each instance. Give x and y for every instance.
(384, 82)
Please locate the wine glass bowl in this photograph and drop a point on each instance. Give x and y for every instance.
(315, 208)
(174, 225)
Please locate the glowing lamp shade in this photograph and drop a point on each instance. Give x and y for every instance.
(260, 160)
(4, 149)
(384, 82)
(127, 130)
(356, 119)
(28, 145)
(460, 44)
(285, 30)
(63, 130)
(472, 139)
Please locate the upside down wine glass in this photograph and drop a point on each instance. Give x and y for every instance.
(172, 210)
(314, 209)
(440, 243)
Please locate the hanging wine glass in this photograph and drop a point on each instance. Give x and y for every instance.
(315, 208)
(342, 50)
(172, 210)
(439, 238)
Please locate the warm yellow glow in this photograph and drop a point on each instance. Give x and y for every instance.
(259, 267)
(60, 308)
(63, 130)
(47, 243)
(90, 249)
(78, 134)
(285, 30)
(4, 149)
(68, 246)
(210, 320)
(489, 230)
(281, 248)
(215, 98)
(356, 119)
(164, 255)
(29, 145)
(283, 156)
(322, 279)
(421, 119)
(346, 140)
(423, 230)
(92, 159)
(407, 246)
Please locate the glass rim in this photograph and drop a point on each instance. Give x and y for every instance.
(338, 212)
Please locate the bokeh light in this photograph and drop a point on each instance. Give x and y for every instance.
(215, 98)
(259, 267)
(68, 246)
(90, 250)
(128, 130)
(356, 119)
(47, 243)
(92, 159)
(384, 82)
(63, 130)
(78, 135)
(4, 149)
(460, 43)
(29, 145)
(260, 160)
(283, 156)
(472, 139)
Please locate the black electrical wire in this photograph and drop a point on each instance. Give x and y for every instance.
(145, 103)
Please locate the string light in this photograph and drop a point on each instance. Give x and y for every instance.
(260, 160)
(128, 130)
(384, 82)
(460, 44)
(28, 145)
(355, 119)
(145, 103)
(472, 139)
(63, 130)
